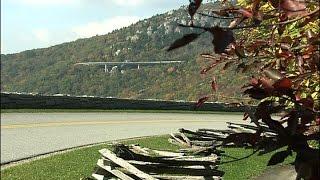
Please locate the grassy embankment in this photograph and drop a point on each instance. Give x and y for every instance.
(81, 162)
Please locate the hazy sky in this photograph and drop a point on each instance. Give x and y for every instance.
(29, 24)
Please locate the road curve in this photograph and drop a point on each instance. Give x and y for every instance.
(25, 135)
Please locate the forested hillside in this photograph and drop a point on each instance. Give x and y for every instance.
(52, 70)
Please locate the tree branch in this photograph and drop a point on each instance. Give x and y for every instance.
(219, 17)
(256, 26)
(301, 17)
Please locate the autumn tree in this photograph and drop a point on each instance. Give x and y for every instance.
(278, 40)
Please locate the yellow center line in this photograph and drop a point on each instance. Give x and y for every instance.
(71, 123)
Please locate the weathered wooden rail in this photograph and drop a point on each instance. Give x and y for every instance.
(198, 159)
(134, 162)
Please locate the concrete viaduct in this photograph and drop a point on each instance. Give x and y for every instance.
(127, 64)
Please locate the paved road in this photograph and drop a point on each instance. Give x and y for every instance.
(28, 134)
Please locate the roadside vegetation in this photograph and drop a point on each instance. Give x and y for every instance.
(80, 163)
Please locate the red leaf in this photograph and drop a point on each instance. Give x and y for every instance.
(257, 15)
(306, 56)
(266, 84)
(307, 116)
(198, 2)
(245, 13)
(283, 83)
(254, 82)
(261, 111)
(193, 7)
(307, 102)
(214, 85)
(292, 5)
(276, 126)
(318, 121)
(221, 39)
(201, 101)
(256, 93)
(240, 139)
(186, 39)
(255, 6)
(284, 54)
(295, 13)
(279, 157)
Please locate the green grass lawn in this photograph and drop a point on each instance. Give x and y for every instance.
(247, 168)
(81, 162)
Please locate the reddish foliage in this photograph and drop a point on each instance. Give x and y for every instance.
(221, 39)
(245, 13)
(201, 101)
(283, 83)
(275, 56)
(214, 85)
(193, 7)
(292, 5)
(186, 39)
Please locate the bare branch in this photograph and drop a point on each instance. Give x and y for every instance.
(219, 17)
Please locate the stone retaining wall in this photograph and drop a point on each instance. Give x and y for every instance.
(24, 101)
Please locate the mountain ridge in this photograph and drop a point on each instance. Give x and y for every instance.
(51, 70)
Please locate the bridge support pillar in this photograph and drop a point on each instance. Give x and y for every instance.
(106, 68)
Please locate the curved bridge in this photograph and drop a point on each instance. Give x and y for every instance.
(127, 64)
